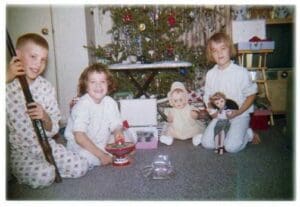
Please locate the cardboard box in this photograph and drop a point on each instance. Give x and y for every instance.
(141, 115)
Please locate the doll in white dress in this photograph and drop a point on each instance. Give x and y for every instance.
(182, 118)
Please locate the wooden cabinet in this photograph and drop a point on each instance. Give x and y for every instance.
(278, 88)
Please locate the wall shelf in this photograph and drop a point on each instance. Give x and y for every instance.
(280, 21)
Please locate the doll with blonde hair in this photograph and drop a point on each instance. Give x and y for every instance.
(182, 118)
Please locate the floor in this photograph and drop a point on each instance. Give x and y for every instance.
(259, 172)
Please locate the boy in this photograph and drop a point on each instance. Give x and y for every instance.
(27, 161)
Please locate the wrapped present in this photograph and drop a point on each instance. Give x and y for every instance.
(255, 43)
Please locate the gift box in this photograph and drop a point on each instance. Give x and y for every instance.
(263, 45)
(256, 43)
(141, 115)
(260, 120)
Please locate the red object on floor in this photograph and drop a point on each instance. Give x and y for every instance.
(259, 120)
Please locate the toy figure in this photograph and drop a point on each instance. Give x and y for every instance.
(182, 118)
(223, 107)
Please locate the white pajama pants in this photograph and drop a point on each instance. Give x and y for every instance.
(91, 159)
(237, 137)
(32, 168)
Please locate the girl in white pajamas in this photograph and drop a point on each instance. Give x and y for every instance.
(94, 118)
(235, 82)
(27, 161)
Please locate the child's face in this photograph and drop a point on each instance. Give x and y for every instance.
(220, 103)
(221, 54)
(178, 100)
(97, 86)
(34, 59)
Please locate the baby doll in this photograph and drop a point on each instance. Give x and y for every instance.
(182, 118)
(223, 106)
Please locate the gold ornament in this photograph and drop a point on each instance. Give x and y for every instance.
(142, 27)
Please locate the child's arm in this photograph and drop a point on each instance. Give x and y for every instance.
(82, 139)
(247, 103)
(15, 68)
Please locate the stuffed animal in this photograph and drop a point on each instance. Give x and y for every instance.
(182, 118)
(222, 106)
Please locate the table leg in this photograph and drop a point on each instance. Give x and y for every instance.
(142, 89)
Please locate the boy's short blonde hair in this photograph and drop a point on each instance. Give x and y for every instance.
(218, 38)
(99, 68)
(34, 38)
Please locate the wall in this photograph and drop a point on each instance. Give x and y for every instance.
(25, 19)
(71, 57)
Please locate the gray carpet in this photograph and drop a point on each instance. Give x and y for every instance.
(260, 172)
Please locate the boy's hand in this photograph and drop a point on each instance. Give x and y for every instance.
(73, 102)
(15, 68)
(36, 111)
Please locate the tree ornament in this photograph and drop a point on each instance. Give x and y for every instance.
(191, 17)
(142, 27)
(116, 35)
(171, 21)
(183, 71)
(170, 50)
(127, 17)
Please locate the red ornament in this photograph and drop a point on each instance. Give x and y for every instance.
(171, 21)
(127, 18)
(170, 50)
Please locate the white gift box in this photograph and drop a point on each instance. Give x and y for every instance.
(259, 45)
(141, 115)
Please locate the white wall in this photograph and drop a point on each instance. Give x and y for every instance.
(71, 57)
(103, 23)
(67, 56)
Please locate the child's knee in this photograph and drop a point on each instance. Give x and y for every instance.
(207, 142)
(42, 179)
(80, 168)
(233, 147)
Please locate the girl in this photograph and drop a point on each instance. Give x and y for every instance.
(94, 117)
(235, 82)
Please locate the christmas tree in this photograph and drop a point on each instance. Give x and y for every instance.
(157, 33)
